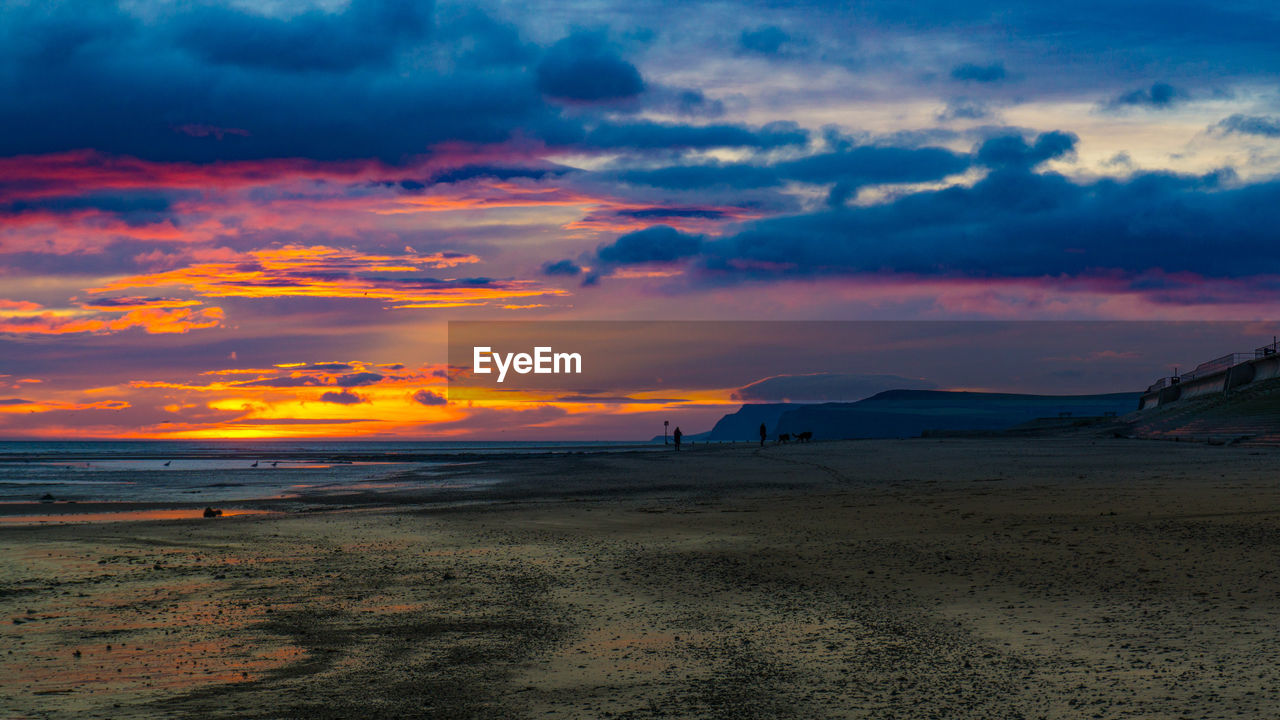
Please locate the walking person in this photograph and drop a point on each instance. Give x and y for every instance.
(676, 437)
(764, 433)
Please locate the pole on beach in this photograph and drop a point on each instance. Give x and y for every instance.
(665, 424)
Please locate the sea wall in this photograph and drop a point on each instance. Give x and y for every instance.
(1240, 375)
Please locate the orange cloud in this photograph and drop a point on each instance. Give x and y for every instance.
(18, 305)
(20, 406)
(122, 304)
(159, 319)
(321, 271)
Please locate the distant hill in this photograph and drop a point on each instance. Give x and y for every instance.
(908, 413)
(745, 424)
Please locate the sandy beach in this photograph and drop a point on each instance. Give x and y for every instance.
(955, 578)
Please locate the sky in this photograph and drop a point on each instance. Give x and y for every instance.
(257, 219)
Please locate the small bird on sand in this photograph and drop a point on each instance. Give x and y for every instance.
(255, 464)
(167, 464)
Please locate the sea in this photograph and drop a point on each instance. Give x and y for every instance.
(159, 471)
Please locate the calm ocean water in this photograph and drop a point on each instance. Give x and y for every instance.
(220, 471)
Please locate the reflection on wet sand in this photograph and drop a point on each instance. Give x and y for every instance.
(121, 516)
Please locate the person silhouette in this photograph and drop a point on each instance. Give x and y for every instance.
(764, 433)
(676, 437)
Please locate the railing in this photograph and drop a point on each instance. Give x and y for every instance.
(1215, 366)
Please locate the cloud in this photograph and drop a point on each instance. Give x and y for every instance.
(157, 320)
(344, 397)
(964, 109)
(367, 32)
(738, 176)
(652, 135)
(854, 166)
(688, 102)
(358, 379)
(660, 243)
(285, 382)
(18, 305)
(872, 164)
(979, 73)
(216, 83)
(486, 172)
(120, 304)
(672, 212)
(1013, 150)
(583, 68)
(135, 208)
(428, 398)
(330, 367)
(825, 387)
(1260, 125)
(764, 40)
(286, 421)
(1019, 224)
(564, 267)
(617, 400)
(20, 406)
(326, 272)
(1160, 96)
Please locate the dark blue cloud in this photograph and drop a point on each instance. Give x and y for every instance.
(1013, 150)
(851, 167)
(1016, 223)
(1260, 125)
(368, 32)
(670, 212)
(380, 80)
(584, 68)
(691, 101)
(766, 40)
(652, 135)
(738, 176)
(564, 267)
(1159, 96)
(979, 73)
(104, 79)
(491, 172)
(872, 164)
(660, 243)
(135, 208)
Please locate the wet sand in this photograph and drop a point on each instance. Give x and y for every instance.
(993, 578)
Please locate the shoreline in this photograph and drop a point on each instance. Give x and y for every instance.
(505, 477)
